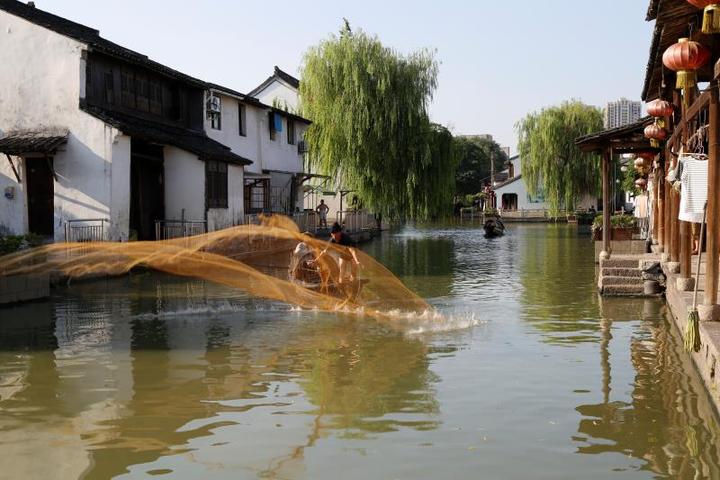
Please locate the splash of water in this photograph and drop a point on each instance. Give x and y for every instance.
(252, 258)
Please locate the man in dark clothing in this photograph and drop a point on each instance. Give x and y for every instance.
(346, 258)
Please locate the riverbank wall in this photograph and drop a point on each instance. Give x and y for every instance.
(705, 360)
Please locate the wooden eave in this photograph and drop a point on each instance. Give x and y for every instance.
(674, 19)
(625, 139)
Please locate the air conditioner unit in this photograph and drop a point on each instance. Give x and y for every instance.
(213, 104)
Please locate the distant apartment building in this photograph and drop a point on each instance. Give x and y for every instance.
(622, 112)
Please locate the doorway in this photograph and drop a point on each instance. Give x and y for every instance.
(40, 196)
(510, 202)
(147, 189)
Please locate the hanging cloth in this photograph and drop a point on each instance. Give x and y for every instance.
(641, 206)
(693, 193)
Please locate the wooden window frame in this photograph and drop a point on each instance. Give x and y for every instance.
(216, 184)
(291, 132)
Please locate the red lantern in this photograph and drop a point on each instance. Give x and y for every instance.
(655, 134)
(639, 162)
(659, 108)
(685, 57)
(711, 14)
(648, 157)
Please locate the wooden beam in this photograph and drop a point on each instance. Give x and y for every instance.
(12, 165)
(713, 200)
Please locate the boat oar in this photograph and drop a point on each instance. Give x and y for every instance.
(692, 329)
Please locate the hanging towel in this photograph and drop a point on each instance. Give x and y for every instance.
(693, 194)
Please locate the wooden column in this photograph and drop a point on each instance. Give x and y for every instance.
(606, 159)
(713, 200)
(674, 226)
(667, 207)
(655, 202)
(660, 211)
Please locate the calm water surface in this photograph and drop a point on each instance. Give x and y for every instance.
(158, 376)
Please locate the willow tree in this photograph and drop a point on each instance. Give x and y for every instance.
(371, 129)
(551, 162)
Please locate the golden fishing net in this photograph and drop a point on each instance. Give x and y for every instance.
(273, 260)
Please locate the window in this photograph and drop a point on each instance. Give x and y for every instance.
(291, 132)
(216, 184)
(214, 112)
(241, 120)
(127, 89)
(109, 88)
(275, 124)
(155, 97)
(142, 94)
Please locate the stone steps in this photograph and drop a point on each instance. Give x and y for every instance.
(608, 280)
(622, 272)
(623, 290)
(620, 263)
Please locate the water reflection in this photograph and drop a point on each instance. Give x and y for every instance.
(558, 288)
(668, 416)
(127, 387)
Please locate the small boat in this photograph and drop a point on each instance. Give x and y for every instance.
(494, 227)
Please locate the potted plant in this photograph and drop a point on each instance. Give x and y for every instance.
(623, 227)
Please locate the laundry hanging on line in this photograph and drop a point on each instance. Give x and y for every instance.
(693, 188)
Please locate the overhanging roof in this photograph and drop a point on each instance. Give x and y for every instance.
(624, 139)
(674, 19)
(32, 142)
(189, 140)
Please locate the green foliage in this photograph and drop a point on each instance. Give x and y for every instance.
(370, 125)
(627, 181)
(474, 162)
(14, 243)
(551, 161)
(616, 221)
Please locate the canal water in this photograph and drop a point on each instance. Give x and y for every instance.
(176, 378)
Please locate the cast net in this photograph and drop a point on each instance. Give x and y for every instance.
(273, 260)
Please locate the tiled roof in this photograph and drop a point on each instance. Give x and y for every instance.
(32, 142)
(189, 140)
(91, 37)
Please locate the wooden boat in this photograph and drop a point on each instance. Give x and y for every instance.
(494, 227)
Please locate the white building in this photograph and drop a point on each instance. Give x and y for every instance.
(100, 142)
(622, 112)
(271, 137)
(514, 199)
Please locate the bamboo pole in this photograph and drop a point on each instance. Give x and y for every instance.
(713, 205)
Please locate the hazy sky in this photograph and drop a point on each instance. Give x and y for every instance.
(499, 59)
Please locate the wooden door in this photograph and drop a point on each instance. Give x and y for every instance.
(40, 196)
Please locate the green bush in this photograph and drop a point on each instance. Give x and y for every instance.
(616, 221)
(14, 243)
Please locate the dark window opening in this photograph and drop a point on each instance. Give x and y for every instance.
(290, 132)
(155, 97)
(127, 89)
(216, 184)
(109, 88)
(241, 120)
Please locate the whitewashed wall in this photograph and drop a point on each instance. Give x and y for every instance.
(184, 185)
(41, 79)
(280, 92)
(219, 218)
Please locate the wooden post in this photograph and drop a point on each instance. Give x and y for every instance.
(713, 200)
(674, 226)
(660, 210)
(606, 159)
(667, 213)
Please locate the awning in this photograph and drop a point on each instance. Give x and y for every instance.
(624, 139)
(32, 142)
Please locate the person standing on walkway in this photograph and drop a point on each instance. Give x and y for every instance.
(323, 209)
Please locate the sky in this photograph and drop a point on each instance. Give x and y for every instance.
(499, 60)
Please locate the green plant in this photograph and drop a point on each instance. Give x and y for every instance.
(616, 221)
(14, 243)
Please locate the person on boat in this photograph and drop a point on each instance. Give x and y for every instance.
(302, 264)
(346, 258)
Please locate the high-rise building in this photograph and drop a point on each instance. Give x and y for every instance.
(622, 112)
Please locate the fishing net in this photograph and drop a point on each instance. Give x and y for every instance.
(273, 260)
